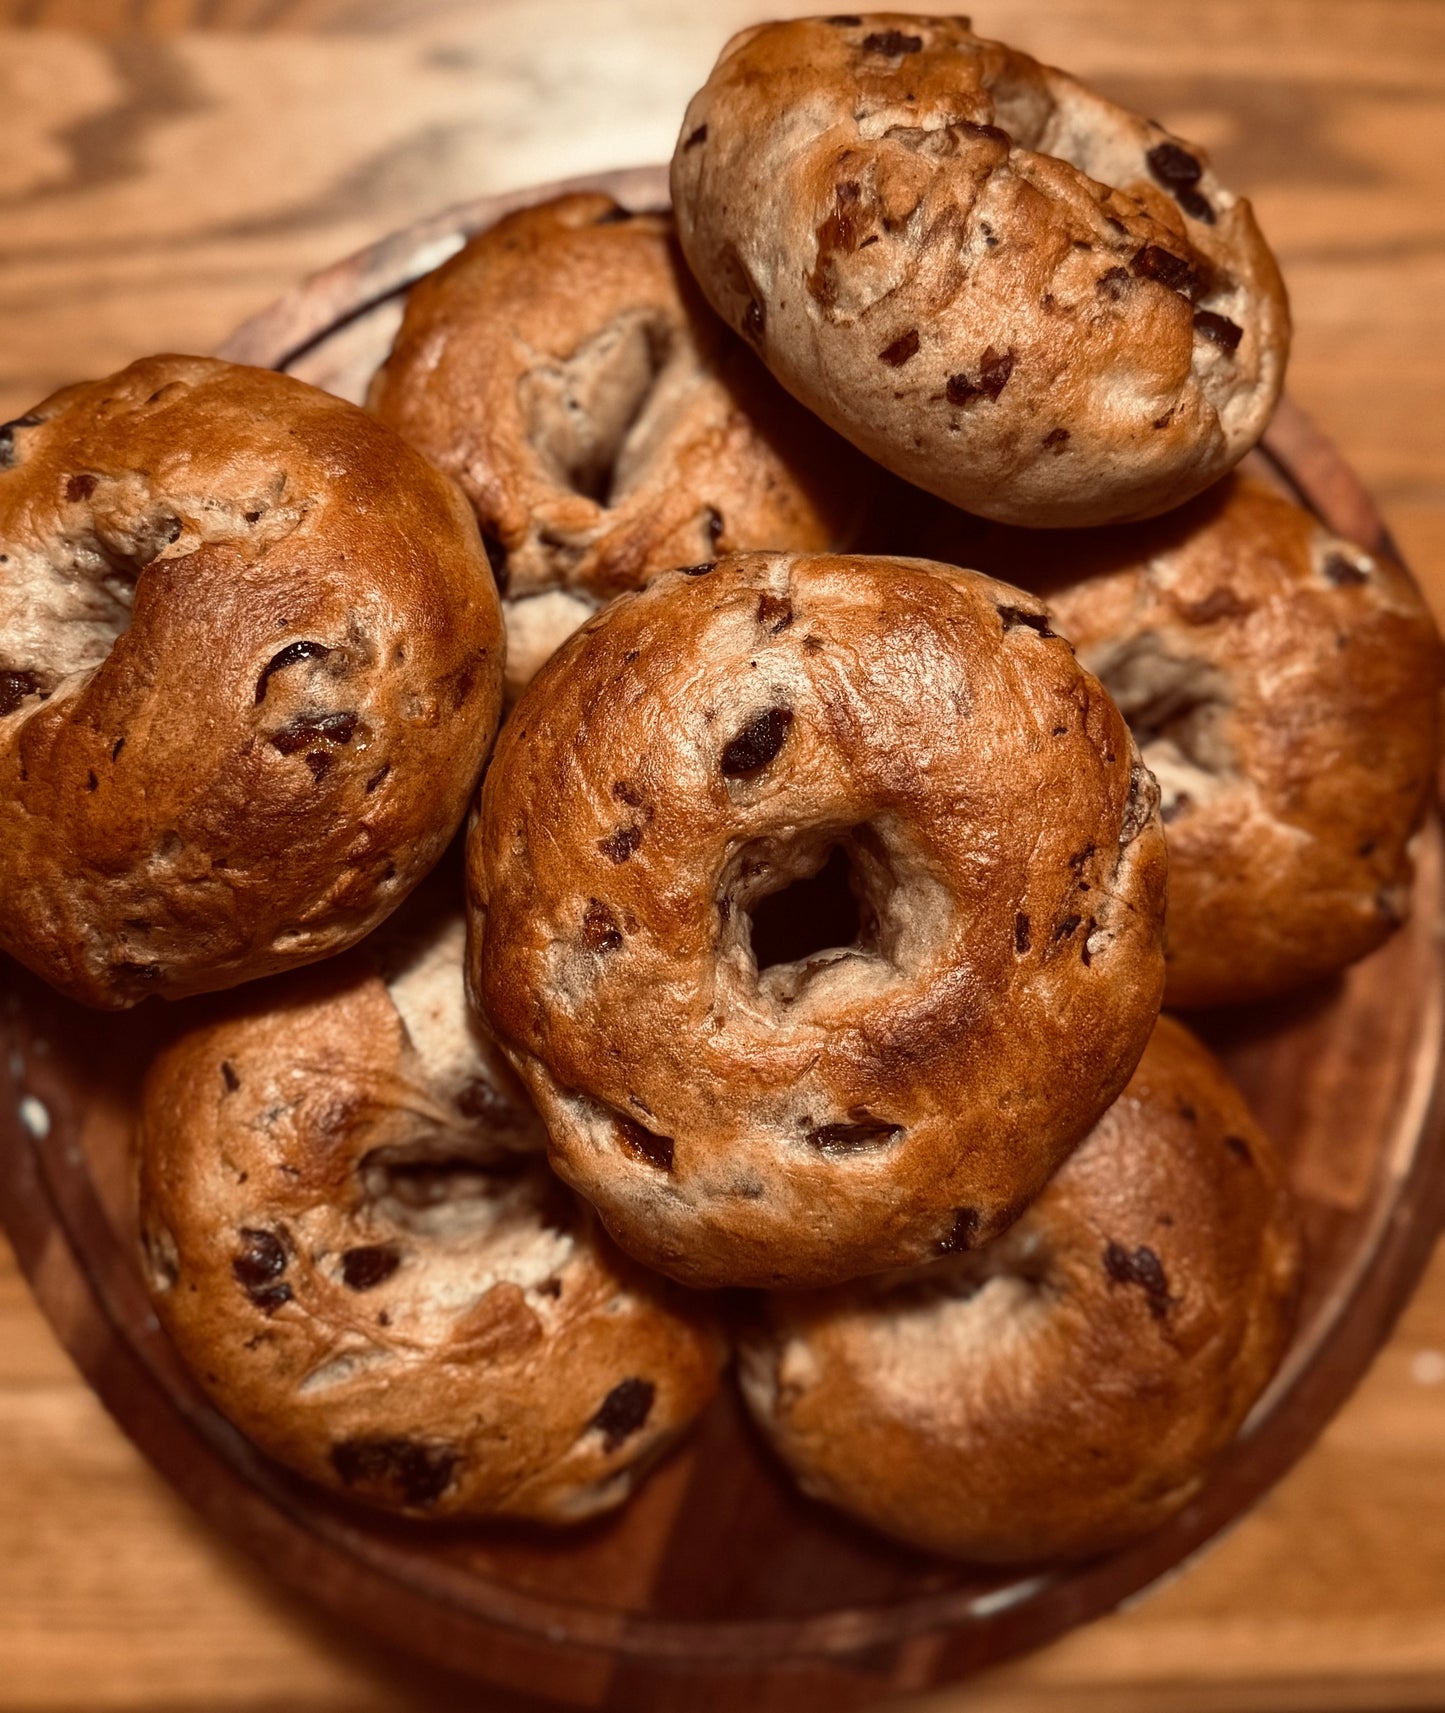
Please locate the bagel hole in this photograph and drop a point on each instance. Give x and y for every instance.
(994, 1282)
(595, 418)
(814, 915)
(804, 907)
(82, 591)
(433, 1190)
(1177, 708)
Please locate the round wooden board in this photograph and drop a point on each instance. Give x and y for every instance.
(720, 1586)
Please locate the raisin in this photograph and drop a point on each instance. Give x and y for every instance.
(985, 133)
(642, 1143)
(1195, 204)
(14, 688)
(600, 929)
(1172, 166)
(1143, 1269)
(757, 744)
(81, 487)
(1217, 329)
(1056, 437)
(1016, 617)
(618, 846)
(229, 1077)
(419, 1473)
(993, 373)
(257, 1265)
(699, 570)
(624, 1411)
(337, 728)
(696, 137)
(775, 613)
(891, 43)
(853, 1138)
(1154, 262)
(1022, 941)
(1113, 283)
(626, 792)
(1337, 569)
(963, 1233)
(289, 656)
(901, 349)
(364, 1268)
(478, 1099)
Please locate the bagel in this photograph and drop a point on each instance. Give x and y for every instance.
(1283, 686)
(998, 284)
(603, 423)
(903, 1082)
(348, 1240)
(1068, 1387)
(250, 668)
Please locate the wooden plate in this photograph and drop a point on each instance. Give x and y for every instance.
(720, 1586)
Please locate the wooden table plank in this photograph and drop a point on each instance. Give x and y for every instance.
(168, 166)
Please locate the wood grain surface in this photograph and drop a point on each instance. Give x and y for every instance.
(168, 166)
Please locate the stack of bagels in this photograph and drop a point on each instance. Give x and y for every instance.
(837, 608)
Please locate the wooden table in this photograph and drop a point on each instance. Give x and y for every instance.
(167, 166)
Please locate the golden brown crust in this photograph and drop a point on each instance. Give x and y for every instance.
(603, 423)
(1067, 1388)
(695, 748)
(348, 1247)
(250, 667)
(1001, 286)
(1283, 686)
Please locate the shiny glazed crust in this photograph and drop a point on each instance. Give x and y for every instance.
(864, 1103)
(1068, 1387)
(250, 668)
(602, 421)
(1283, 686)
(1003, 287)
(347, 1240)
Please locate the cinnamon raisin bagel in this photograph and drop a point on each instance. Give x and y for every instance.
(250, 668)
(995, 282)
(1283, 686)
(1069, 1386)
(603, 423)
(350, 1245)
(750, 1098)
